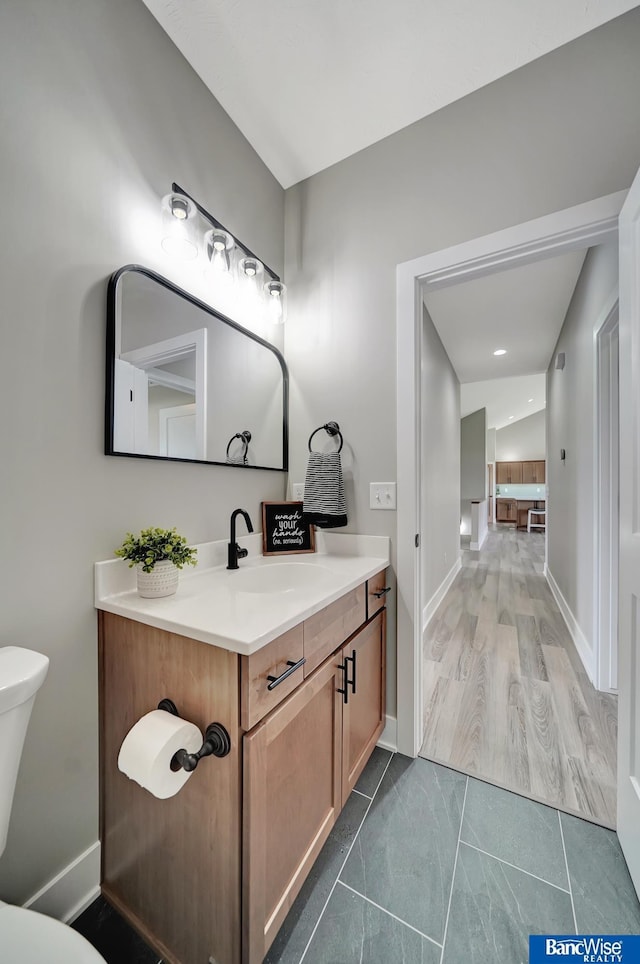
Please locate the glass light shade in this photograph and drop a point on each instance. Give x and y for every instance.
(178, 227)
(250, 267)
(275, 293)
(218, 244)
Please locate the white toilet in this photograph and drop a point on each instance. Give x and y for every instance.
(27, 937)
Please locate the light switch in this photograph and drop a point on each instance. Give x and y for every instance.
(382, 495)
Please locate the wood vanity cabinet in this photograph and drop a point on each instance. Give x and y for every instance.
(211, 873)
(300, 765)
(363, 706)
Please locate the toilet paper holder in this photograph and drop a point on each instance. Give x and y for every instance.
(217, 742)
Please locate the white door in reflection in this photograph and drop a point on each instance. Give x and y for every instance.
(175, 373)
(177, 432)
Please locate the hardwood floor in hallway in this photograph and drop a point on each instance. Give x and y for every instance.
(506, 697)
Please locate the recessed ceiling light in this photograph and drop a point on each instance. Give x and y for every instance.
(511, 416)
(500, 351)
(530, 399)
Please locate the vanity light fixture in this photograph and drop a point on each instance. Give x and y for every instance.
(218, 244)
(233, 264)
(500, 351)
(178, 226)
(276, 297)
(250, 266)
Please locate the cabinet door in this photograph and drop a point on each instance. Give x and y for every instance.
(541, 471)
(503, 473)
(529, 472)
(291, 801)
(364, 702)
(516, 473)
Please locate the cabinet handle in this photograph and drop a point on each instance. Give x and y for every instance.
(276, 680)
(382, 592)
(352, 682)
(345, 680)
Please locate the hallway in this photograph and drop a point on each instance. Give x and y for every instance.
(506, 697)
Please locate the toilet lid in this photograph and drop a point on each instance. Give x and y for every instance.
(27, 937)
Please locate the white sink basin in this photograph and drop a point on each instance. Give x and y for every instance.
(281, 577)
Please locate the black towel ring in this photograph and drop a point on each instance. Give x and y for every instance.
(245, 438)
(332, 429)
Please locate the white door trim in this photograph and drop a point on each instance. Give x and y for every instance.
(573, 228)
(628, 821)
(605, 503)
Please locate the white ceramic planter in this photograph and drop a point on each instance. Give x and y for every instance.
(161, 581)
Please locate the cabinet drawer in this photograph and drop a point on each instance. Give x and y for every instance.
(274, 659)
(329, 628)
(375, 586)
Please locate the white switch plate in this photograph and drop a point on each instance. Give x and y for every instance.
(382, 495)
(298, 491)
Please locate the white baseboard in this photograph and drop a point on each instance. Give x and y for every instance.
(72, 890)
(440, 593)
(579, 639)
(389, 736)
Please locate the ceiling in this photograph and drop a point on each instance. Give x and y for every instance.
(521, 310)
(506, 400)
(310, 82)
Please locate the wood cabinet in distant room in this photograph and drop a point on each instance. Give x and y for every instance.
(506, 510)
(508, 473)
(533, 472)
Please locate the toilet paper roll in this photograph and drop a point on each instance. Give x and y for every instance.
(148, 748)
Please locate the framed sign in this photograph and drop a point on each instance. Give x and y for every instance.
(284, 530)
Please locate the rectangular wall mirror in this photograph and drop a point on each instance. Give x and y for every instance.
(184, 382)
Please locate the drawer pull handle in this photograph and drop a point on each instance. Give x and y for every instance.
(382, 592)
(276, 680)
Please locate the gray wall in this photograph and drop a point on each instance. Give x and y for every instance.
(473, 455)
(560, 131)
(473, 464)
(570, 408)
(524, 439)
(99, 114)
(440, 481)
(491, 445)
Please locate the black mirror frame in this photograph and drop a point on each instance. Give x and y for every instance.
(110, 371)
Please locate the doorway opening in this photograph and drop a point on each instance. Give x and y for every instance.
(580, 227)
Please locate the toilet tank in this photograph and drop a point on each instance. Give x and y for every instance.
(22, 673)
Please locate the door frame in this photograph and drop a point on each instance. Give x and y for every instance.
(583, 225)
(606, 492)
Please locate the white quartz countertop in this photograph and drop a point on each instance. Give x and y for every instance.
(224, 608)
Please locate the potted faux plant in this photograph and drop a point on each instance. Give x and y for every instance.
(158, 555)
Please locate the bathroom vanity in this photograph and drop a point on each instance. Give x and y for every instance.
(210, 874)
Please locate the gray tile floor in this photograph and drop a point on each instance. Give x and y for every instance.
(428, 866)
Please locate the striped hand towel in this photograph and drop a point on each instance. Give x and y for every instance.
(324, 502)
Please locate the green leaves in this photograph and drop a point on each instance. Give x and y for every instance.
(154, 545)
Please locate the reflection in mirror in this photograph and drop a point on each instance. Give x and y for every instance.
(185, 382)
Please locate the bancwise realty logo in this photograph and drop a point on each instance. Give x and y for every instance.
(584, 949)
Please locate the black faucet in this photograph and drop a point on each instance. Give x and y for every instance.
(234, 551)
